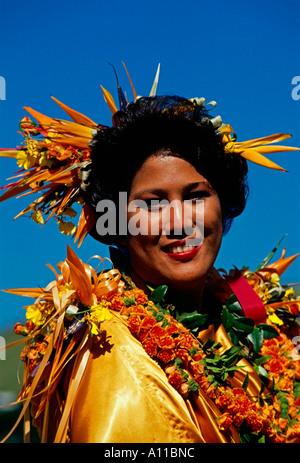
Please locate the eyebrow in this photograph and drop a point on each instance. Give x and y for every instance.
(186, 189)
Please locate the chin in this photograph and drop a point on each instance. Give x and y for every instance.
(184, 281)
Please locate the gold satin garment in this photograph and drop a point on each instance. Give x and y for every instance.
(125, 397)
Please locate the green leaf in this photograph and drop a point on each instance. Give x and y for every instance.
(193, 320)
(262, 360)
(268, 331)
(128, 302)
(193, 351)
(177, 361)
(227, 319)
(269, 257)
(159, 316)
(256, 337)
(232, 304)
(193, 386)
(244, 324)
(208, 344)
(262, 440)
(159, 293)
(234, 337)
(231, 300)
(263, 374)
(245, 382)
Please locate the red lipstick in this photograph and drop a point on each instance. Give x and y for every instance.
(184, 255)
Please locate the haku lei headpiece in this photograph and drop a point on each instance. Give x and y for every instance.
(55, 159)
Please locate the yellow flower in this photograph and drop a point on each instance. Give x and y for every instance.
(276, 320)
(37, 217)
(100, 312)
(264, 295)
(68, 228)
(32, 148)
(44, 161)
(289, 293)
(25, 160)
(274, 278)
(34, 314)
(97, 315)
(94, 329)
(70, 212)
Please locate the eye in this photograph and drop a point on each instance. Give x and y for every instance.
(198, 195)
(151, 204)
(155, 204)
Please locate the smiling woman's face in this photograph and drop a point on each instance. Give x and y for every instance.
(165, 257)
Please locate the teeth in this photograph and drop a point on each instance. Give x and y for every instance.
(177, 249)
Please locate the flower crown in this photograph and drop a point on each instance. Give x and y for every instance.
(55, 158)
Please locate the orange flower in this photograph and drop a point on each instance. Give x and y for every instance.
(117, 303)
(134, 322)
(254, 421)
(175, 379)
(293, 434)
(33, 364)
(139, 296)
(186, 341)
(148, 322)
(224, 422)
(157, 331)
(138, 309)
(166, 342)
(166, 355)
(224, 401)
(294, 308)
(282, 423)
(183, 355)
(274, 365)
(238, 418)
(286, 384)
(172, 328)
(150, 346)
(20, 329)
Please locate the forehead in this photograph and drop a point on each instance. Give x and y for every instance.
(164, 172)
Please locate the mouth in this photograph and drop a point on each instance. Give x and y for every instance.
(182, 250)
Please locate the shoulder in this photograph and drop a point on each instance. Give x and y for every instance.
(123, 385)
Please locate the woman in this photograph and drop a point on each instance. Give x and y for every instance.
(171, 158)
(160, 366)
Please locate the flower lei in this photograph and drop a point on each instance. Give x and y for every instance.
(72, 308)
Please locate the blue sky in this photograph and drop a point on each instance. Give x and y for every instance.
(244, 55)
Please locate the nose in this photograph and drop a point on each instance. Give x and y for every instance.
(176, 221)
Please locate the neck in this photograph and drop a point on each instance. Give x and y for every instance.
(187, 300)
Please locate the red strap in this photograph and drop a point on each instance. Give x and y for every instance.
(251, 303)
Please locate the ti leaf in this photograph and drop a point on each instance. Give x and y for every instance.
(158, 294)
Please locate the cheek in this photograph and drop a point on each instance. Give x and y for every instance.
(141, 222)
(213, 223)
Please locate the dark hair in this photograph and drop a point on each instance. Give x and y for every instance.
(150, 125)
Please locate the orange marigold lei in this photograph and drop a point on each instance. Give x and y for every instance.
(274, 416)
